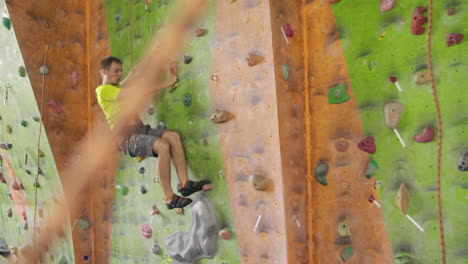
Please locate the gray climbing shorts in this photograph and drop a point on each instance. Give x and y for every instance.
(140, 142)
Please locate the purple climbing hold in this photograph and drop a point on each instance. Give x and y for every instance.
(288, 30)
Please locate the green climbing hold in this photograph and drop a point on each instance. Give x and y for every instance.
(346, 253)
(40, 153)
(63, 260)
(403, 258)
(22, 71)
(188, 99)
(83, 224)
(122, 189)
(24, 123)
(36, 118)
(338, 94)
(371, 168)
(6, 22)
(36, 184)
(9, 130)
(320, 173)
(286, 70)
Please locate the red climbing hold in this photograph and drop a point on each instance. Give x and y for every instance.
(288, 30)
(418, 21)
(371, 199)
(386, 5)
(393, 79)
(368, 145)
(426, 136)
(453, 39)
(146, 231)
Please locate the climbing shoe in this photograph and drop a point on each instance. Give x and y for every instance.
(178, 202)
(192, 187)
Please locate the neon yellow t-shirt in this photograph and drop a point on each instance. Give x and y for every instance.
(107, 95)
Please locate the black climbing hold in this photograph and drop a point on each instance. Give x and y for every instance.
(320, 173)
(142, 170)
(463, 161)
(36, 118)
(187, 99)
(6, 22)
(24, 123)
(6, 146)
(143, 189)
(27, 171)
(25, 226)
(187, 59)
(117, 17)
(155, 249)
(9, 212)
(4, 248)
(22, 71)
(151, 110)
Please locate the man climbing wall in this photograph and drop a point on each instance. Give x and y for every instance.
(141, 140)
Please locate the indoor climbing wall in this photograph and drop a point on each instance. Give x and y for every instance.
(141, 222)
(386, 52)
(29, 180)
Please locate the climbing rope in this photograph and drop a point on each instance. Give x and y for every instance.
(439, 131)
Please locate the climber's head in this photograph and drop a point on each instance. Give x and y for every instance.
(111, 70)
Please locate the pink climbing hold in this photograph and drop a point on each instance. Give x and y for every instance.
(418, 20)
(288, 30)
(386, 5)
(368, 145)
(74, 77)
(57, 109)
(426, 136)
(207, 187)
(146, 231)
(453, 39)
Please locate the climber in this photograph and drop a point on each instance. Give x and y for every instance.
(143, 141)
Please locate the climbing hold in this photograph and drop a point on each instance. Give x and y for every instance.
(403, 258)
(156, 249)
(83, 224)
(9, 130)
(393, 111)
(2, 178)
(187, 59)
(422, 77)
(219, 116)
(28, 171)
(74, 77)
(151, 110)
(346, 253)
(24, 123)
(36, 118)
(338, 94)
(43, 70)
(343, 229)
(40, 153)
(4, 248)
(453, 39)
(143, 189)
(154, 210)
(141, 170)
(288, 30)
(286, 69)
(146, 231)
(200, 32)
(63, 260)
(6, 146)
(117, 17)
(402, 198)
(451, 11)
(426, 136)
(463, 161)
(259, 182)
(371, 168)
(320, 173)
(341, 145)
(25, 226)
(253, 59)
(418, 21)
(15, 186)
(21, 186)
(225, 234)
(368, 145)
(57, 109)
(6, 22)
(22, 71)
(214, 77)
(386, 5)
(180, 211)
(187, 99)
(377, 185)
(9, 212)
(122, 189)
(23, 214)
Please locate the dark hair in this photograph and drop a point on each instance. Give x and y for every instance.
(107, 61)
